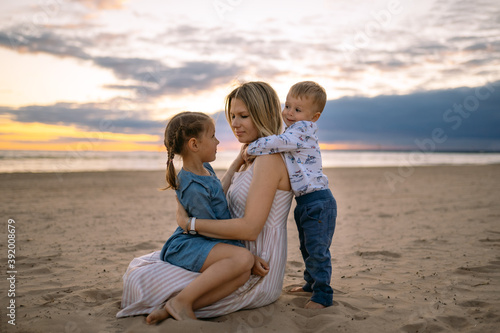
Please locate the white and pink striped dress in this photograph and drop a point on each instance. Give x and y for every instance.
(150, 282)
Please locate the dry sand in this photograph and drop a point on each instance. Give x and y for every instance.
(423, 257)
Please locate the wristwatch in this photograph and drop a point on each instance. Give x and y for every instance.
(192, 227)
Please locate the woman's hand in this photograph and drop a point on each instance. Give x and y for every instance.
(260, 267)
(182, 216)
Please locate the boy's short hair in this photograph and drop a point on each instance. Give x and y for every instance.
(310, 89)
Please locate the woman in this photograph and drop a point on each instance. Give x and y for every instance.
(259, 200)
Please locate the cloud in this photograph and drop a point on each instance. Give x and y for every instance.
(44, 41)
(452, 119)
(152, 77)
(423, 121)
(102, 4)
(156, 79)
(415, 49)
(92, 117)
(467, 117)
(389, 65)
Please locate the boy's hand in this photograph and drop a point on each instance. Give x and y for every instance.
(260, 267)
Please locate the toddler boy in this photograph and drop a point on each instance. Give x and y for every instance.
(316, 210)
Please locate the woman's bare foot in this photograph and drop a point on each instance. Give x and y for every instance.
(157, 316)
(178, 311)
(314, 305)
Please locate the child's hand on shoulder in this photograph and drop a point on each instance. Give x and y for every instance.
(244, 152)
(247, 158)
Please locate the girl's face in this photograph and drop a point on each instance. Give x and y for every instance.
(208, 144)
(242, 125)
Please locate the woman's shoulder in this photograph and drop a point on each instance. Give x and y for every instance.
(270, 159)
(273, 165)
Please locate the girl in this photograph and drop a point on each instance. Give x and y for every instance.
(191, 135)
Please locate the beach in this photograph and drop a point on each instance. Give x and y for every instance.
(415, 249)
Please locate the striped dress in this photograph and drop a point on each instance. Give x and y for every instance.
(150, 282)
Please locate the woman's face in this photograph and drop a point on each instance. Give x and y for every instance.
(242, 125)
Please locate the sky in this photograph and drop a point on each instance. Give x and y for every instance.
(107, 74)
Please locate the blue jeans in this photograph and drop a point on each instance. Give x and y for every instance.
(315, 216)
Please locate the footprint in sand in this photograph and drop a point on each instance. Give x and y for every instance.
(377, 254)
(493, 267)
(473, 304)
(147, 246)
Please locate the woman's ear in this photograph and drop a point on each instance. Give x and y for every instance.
(192, 144)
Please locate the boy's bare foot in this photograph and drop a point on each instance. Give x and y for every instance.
(179, 312)
(157, 315)
(314, 305)
(298, 291)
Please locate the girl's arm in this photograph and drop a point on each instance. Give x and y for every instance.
(269, 171)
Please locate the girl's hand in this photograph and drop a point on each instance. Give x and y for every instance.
(244, 154)
(240, 159)
(260, 267)
(182, 216)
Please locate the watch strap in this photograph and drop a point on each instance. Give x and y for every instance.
(193, 224)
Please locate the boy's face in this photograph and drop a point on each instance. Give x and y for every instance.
(297, 109)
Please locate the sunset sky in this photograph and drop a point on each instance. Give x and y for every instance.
(107, 74)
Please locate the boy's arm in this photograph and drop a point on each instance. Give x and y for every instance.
(289, 141)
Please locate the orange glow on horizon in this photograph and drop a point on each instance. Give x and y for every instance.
(37, 136)
(82, 146)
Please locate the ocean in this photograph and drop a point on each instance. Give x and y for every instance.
(73, 161)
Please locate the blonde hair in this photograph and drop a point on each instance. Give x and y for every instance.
(262, 103)
(180, 129)
(310, 89)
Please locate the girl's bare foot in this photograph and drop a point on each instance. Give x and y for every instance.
(157, 316)
(178, 311)
(314, 305)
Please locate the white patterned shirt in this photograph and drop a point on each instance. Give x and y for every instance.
(299, 144)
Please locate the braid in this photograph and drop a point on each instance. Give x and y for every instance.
(171, 176)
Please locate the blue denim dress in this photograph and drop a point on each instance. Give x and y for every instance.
(204, 198)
